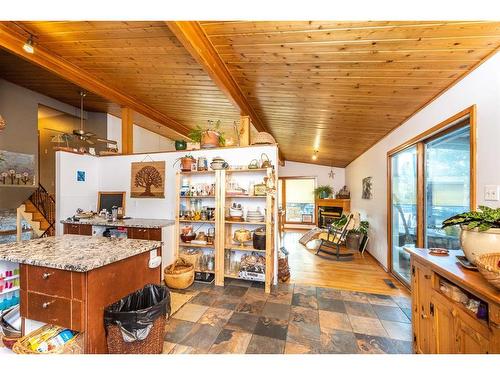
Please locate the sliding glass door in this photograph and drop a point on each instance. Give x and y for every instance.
(447, 185)
(430, 179)
(404, 209)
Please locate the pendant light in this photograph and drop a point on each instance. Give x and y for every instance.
(81, 132)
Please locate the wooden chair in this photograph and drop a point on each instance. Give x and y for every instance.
(335, 239)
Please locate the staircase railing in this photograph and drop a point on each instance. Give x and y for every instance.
(45, 203)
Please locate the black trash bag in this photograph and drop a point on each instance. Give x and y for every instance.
(136, 313)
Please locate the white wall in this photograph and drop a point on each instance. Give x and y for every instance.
(480, 87)
(295, 169)
(144, 140)
(71, 194)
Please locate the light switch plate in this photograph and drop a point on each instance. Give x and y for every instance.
(491, 192)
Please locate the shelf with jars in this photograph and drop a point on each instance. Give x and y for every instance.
(225, 222)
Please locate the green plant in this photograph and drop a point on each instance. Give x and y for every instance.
(187, 156)
(362, 229)
(197, 133)
(326, 189)
(483, 219)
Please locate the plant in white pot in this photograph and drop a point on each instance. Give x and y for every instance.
(480, 231)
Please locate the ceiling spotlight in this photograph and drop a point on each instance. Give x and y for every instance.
(28, 46)
(315, 155)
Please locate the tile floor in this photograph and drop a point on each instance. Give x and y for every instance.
(241, 318)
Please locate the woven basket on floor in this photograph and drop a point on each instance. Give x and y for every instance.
(153, 344)
(73, 346)
(179, 275)
(193, 259)
(489, 266)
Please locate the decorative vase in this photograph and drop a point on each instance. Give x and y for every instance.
(323, 195)
(180, 144)
(186, 164)
(475, 243)
(209, 139)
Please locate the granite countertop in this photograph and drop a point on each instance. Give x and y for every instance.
(134, 223)
(73, 252)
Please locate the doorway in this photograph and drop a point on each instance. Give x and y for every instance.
(296, 199)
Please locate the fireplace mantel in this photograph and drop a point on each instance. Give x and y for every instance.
(345, 204)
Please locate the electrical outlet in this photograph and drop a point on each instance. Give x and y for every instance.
(491, 193)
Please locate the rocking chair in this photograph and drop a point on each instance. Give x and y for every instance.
(335, 239)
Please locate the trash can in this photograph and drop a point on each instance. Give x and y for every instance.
(135, 324)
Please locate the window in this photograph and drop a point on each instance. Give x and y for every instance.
(430, 179)
(297, 198)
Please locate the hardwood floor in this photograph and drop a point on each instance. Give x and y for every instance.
(362, 274)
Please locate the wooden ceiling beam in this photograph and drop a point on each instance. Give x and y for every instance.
(194, 39)
(13, 42)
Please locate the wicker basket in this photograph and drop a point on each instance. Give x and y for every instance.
(73, 346)
(193, 259)
(488, 265)
(179, 275)
(152, 344)
(263, 138)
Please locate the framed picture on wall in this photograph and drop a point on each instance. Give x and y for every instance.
(367, 188)
(148, 180)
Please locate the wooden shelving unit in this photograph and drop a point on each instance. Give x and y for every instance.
(224, 229)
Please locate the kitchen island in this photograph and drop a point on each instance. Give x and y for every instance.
(69, 280)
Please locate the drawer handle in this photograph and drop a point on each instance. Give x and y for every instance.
(46, 275)
(46, 305)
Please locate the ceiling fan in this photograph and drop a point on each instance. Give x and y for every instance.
(81, 134)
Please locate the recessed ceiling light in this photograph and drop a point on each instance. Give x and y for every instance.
(28, 46)
(315, 155)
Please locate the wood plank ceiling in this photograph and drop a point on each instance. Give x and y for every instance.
(338, 87)
(142, 59)
(341, 86)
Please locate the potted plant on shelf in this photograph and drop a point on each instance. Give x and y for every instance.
(480, 231)
(323, 192)
(186, 162)
(208, 137)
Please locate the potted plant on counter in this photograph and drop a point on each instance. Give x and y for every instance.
(480, 231)
(209, 137)
(323, 192)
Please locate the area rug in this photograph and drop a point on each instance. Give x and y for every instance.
(177, 300)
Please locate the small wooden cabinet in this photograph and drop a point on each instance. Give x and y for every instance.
(440, 324)
(82, 229)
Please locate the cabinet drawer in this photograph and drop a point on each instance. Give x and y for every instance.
(138, 233)
(71, 228)
(85, 229)
(49, 281)
(155, 234)
(54, 310)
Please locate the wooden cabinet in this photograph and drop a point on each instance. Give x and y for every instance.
(421, 287)
(153, 234)
(82, 229)
(440, 324)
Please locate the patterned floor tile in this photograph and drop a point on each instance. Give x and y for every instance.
(231, 342)
(402, 347)
(281, 296)
(185, 349)
(375, 344)
(397, 330)
(203, 298)
(239, 282)
(226, 302)
(407, 312)
(176, 330)
(202, 336)
(168, 346)
(270, 327)
(340, 342)
(276, 310)
(215, 317)
(360, 309)
(265, 345)
(328, 293)
(330, 304)
(354, 296)
(190, 312)
(304, 300)
(242, 322)
(235, 290)
(381, 299)
(329, 321)
(256, 293)
(296, 348)
(402, 301)
(303, 327)
(394, 314)
(367, 326)
(305, 289)
(251, 306)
